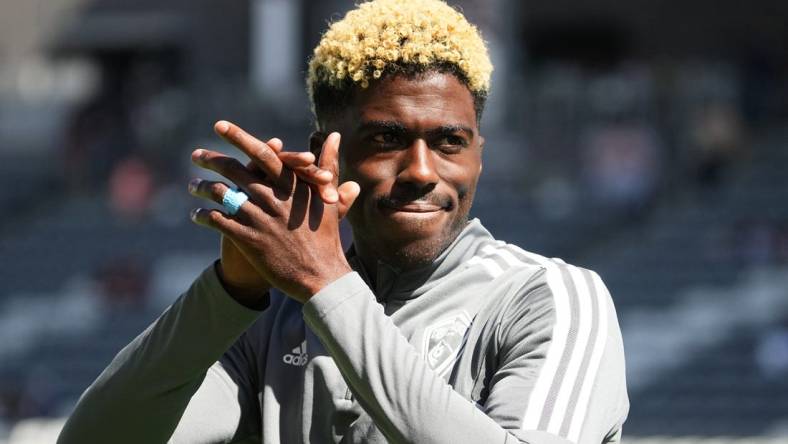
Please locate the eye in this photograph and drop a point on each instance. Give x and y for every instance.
(387, 140)
(450, 144)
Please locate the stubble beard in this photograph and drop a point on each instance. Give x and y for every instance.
(423, 252)
(406, 255)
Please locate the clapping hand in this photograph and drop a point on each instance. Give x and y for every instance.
(286, 235)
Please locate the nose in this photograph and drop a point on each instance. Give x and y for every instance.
(419, 165)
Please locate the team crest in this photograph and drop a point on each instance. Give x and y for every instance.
(444, 340)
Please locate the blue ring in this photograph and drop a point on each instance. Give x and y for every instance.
(232, 200)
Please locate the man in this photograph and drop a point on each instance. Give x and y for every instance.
(427, 330)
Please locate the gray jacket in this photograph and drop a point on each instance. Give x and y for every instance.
(489, 344)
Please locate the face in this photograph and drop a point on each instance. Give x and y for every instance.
(413, 145)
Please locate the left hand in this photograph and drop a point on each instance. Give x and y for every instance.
(285, 230)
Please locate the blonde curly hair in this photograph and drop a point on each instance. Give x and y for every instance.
(382, 37)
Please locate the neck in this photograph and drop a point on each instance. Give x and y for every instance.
(370, 263)
(371, 257)
(402, 258)
(406, 277)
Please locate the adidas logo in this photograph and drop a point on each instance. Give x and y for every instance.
(298, 357)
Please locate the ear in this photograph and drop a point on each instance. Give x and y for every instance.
(316, 141)
(481, 157)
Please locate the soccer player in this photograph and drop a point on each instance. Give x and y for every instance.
(428, 330)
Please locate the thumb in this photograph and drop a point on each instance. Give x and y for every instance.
(348, 192)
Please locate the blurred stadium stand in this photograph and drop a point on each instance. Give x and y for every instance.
(645, 140)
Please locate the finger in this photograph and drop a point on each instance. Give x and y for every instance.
(213, 191)
(261, 154)
(303, 164)
(348, 192)
(297, 159)
(329, 161)
(218, 221)
(328, 193)
(252, 184)
(329, 154)
(227, 166)
(275, 144)
(311, 173)
(314, 175)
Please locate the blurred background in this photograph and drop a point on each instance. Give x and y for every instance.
(645, 140)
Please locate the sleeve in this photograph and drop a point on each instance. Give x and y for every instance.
(188, 366)
(410, 403)
(561, 361)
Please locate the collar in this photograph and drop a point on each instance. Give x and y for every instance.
(393, 284)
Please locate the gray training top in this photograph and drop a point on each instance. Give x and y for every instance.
(489, 344)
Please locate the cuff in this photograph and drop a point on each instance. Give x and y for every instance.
(335, 294)
(209, 286)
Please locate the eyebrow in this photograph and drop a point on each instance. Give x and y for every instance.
(381, 125)
(451, 129)
(396, 127)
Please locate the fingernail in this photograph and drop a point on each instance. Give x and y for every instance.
(222, 126)
(193, 184)
(198, 156)
(331, 195)
(193, 214)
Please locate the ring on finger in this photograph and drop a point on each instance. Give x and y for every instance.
(232, 200)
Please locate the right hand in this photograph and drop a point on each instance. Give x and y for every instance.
(238, 276)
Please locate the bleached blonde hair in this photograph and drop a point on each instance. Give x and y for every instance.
(383, 37)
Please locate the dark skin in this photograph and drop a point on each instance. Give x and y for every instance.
(410, 160)
(413, 145)
(239, 277)
(284, 225)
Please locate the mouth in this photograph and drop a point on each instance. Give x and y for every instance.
(412, 207)
(423, 205)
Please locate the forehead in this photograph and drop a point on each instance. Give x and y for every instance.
(417, 102)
